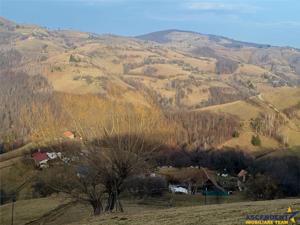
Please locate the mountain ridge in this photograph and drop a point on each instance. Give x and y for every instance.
(147, 36)
(141, 36)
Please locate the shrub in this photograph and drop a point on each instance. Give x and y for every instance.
(255, 140)
(41, 189)
(285, 170)
(149, 70)
(74, 59)
(146, 186)
(235, 134)
(262, 187)
(4, 197)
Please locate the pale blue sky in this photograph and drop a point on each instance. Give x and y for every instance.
(275, 22)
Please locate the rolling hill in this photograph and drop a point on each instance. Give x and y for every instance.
(165, 71)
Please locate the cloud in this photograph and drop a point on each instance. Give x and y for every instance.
(278, 24)
(232, 6)
(207, 16)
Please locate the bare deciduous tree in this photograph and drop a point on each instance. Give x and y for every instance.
(98, 171)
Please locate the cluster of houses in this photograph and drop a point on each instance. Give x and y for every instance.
(205, 181)
(43, 158)
(189, 181)
(195, 180)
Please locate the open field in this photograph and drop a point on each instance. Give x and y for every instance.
(138, 213)
(228, 214)
(28, 210)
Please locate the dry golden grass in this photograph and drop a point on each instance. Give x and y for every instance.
(148, 214)
(250, 69)
(105, 56)
(244, 142)
(272, 100)
(28, 210)
(227, 214)
(283, 97)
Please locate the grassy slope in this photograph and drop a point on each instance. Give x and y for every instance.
(278, 98)
(28, 210)
(232, 213)
(227, 214)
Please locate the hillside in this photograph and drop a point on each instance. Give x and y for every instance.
(160, 72)
(282, 63)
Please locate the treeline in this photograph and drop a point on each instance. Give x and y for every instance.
(269, 124)
(291, 112)
(226, 65)
(220, 95)
(203, 128)
(228, 159)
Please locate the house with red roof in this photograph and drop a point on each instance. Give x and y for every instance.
(40, 159)
(69, 134)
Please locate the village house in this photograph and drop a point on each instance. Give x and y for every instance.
(40, 159)
(193, 180)
(242, 178)
(178, 189)
(69, 135)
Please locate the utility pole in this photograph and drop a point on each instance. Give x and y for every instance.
(14, 198)
(13, 208)
(205, 193)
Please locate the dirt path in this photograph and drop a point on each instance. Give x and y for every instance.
(52, 215)
(290, 124)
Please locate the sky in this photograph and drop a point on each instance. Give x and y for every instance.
(275, 22)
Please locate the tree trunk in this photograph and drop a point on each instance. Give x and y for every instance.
(97, 207)
(111, 202)
(120, 205)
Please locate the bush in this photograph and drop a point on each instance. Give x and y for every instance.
(74, 59)
(235, 134)
(2, 150)
(4, 197)
(41, 189)
(285, 170)
(146, 186)
(262, 187)
(256, 140)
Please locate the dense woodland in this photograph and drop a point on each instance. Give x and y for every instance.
(20, 94)
(203, 128)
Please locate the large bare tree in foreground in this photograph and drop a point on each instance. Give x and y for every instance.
(96, 173)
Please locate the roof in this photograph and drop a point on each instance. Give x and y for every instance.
(40, 156)
(198, 175)
(54, 155)
(211, 176)
(242, 173)
(68, 134)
